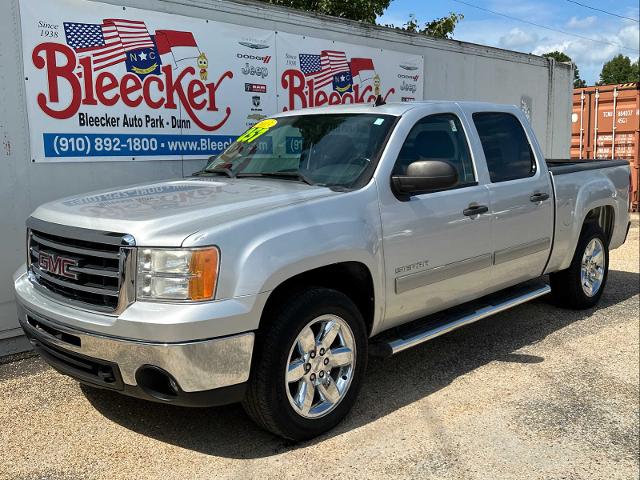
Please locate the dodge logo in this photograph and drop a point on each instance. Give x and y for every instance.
(58, 265)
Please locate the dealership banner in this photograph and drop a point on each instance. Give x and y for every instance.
(105, 82)
(314, 72)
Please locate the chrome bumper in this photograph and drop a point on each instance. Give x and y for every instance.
(196, 366)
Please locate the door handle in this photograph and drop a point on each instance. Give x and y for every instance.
(539, 197)
(473, 210)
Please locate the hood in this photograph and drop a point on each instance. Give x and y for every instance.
(165, 213)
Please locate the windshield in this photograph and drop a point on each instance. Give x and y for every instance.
(330, 150)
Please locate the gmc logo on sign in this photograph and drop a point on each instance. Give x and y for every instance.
(57, 265)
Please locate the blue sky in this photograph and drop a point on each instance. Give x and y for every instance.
(489, 29)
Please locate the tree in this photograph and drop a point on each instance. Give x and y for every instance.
(438, 28)
(369, 10)
(443, 27)
(361, 10)
(563, 57)
(619, 70)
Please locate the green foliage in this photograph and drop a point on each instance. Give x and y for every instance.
(369, 10)
(558, 56)
(442, 27)
(619, 70)
(361, 10)
(438, 28)
(563, 57)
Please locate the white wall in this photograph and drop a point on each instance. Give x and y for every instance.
(453, 70)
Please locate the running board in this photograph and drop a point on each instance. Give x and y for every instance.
(433, 326)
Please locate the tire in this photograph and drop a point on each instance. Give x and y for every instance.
(567, 285)
(272, 395)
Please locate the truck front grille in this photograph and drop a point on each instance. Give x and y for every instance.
(89, 270)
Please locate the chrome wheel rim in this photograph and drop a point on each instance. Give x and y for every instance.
(320, 366)
(592, 267)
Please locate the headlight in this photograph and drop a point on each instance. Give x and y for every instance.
(177, 274)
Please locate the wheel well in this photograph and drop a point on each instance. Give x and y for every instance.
(351, 278)
(603, 217)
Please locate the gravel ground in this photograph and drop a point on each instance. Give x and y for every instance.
(535, 393)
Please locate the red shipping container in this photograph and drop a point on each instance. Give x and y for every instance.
(605, 124)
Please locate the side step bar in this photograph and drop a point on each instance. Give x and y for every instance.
(391, 344)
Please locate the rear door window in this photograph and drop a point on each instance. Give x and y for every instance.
(505, 145)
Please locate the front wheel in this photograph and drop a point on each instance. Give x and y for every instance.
(581, 285)
(309, 365)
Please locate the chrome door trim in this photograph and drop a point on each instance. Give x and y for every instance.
(522, 250)
(443, 272)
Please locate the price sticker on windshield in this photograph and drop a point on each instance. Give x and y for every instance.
(258, 129)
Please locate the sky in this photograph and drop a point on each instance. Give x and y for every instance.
(619, 35)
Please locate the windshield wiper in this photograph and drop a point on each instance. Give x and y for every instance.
(218, 170)
(293, 175)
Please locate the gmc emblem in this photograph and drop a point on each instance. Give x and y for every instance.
(57, 264)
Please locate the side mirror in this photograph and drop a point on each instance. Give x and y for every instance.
(425, 176)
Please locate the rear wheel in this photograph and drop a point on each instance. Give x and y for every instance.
(309, 365)
(581, 285)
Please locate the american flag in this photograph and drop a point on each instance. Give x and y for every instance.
(321, 68)
(107, 43)
(133, 34)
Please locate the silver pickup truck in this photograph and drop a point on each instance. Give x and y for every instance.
(316, 239)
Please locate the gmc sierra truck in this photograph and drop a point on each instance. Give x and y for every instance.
(317, 238)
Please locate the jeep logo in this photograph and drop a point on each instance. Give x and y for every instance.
(260, 72)
(57, 265)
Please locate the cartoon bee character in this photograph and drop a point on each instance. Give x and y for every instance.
(203, 64)
(376, 84)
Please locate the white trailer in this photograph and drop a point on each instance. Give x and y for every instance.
(237, 86)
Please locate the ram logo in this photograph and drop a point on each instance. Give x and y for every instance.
(57, 265)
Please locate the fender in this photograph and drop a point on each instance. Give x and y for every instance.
(574, 201)
(261, 251)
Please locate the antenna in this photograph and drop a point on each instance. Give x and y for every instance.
(379, 101)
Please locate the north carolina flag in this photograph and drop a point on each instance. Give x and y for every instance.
(176, 45)
(363, 68)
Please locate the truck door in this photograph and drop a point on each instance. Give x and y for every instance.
(437, 246)
(521, 203)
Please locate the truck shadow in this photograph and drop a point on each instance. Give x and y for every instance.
(390, 384)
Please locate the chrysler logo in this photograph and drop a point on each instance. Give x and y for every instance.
(255, 46)
(57, 265)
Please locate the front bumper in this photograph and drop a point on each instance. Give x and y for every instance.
(212, 371)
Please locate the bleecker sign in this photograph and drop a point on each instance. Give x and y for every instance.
(91, 87)
(110, 83)
(319, 72)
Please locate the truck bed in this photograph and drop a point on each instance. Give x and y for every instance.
(560, 166)
(591, 183)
